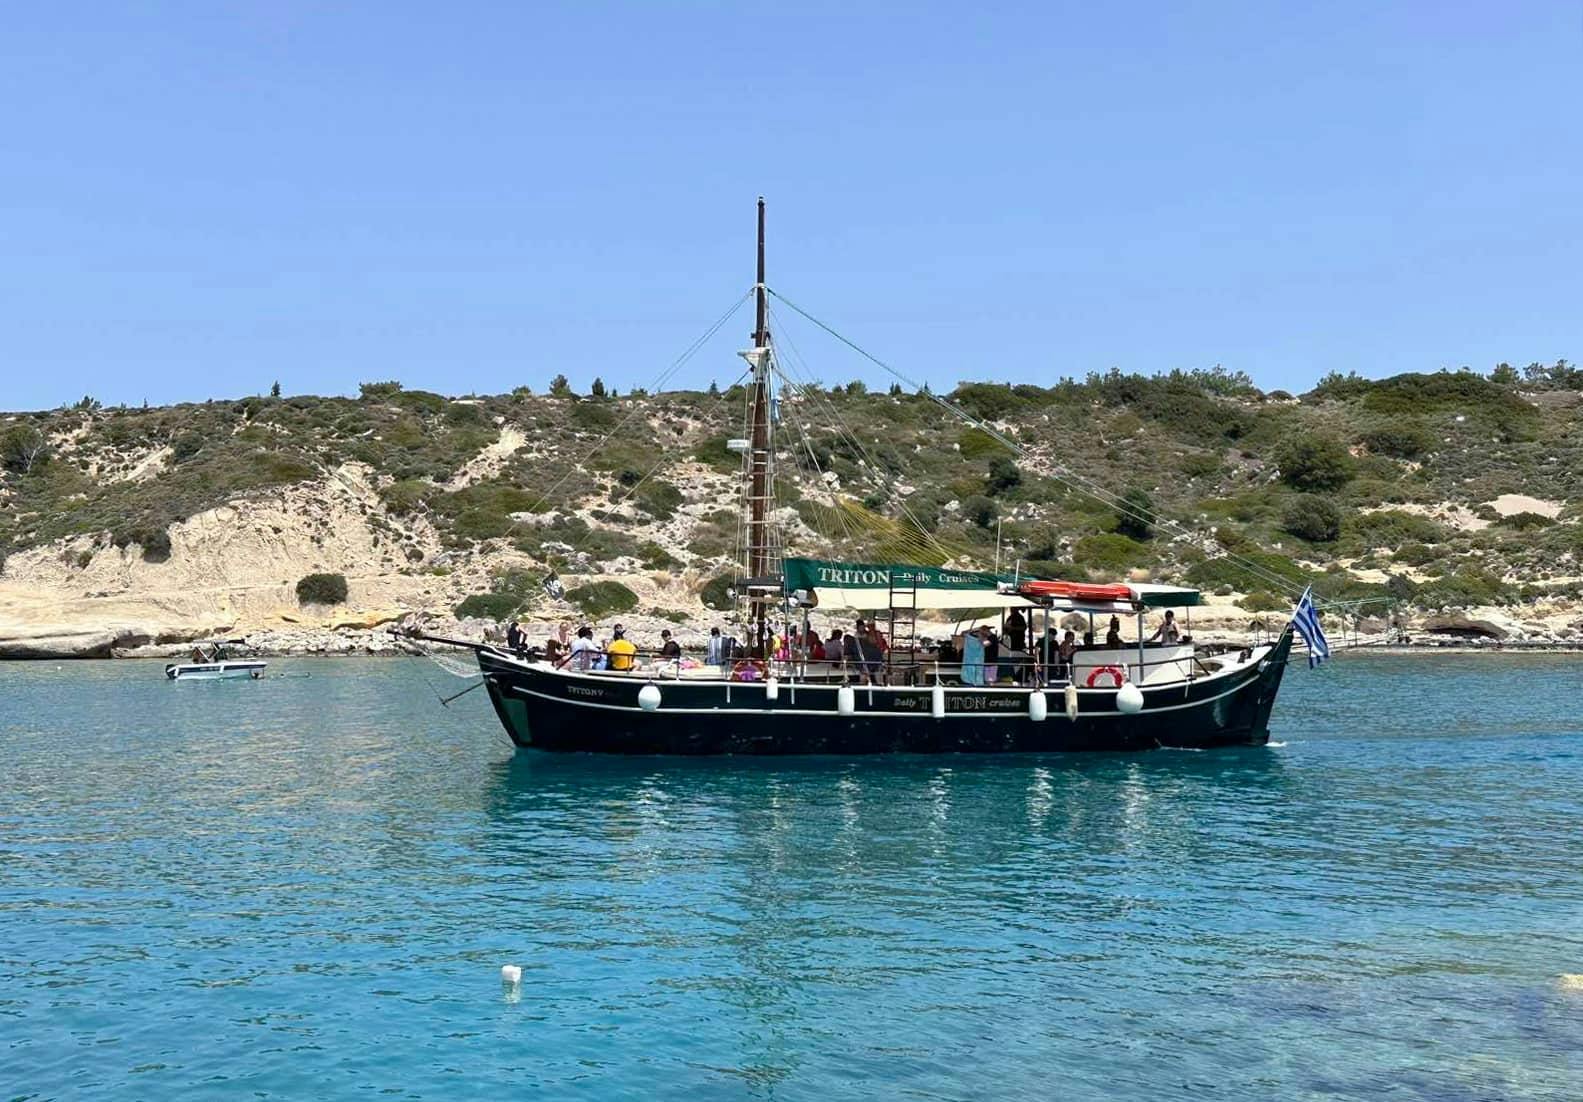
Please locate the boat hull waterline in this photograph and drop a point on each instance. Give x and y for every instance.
(556, 710)
(214, 671)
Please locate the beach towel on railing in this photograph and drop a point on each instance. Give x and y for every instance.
(972, 660)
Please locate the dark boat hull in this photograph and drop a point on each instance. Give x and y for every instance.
(551, 710)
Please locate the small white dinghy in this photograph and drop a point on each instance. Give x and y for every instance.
(211, 662)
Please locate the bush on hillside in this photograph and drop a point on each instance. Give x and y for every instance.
(1110, 553)
(488, 606)
(1136, 519)
(1399, 439)
(1525, 520)
(321, 589)
(600, 599)
(980, 510)
(1312, 518)
(1003, 475)
(1314, 464)
(1395, 528)
(716, 593)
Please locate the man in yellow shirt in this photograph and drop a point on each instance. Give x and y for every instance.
(621, 652)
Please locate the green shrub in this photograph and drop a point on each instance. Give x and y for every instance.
(713, 452)
(1393, 528)
(1525, 520)
(1312, 518)
(1003, 475)
(321, 589)
(1212, 574)
(976, 444)
(1110, 553)
(1136, 521)
(1401, 439)
(658, 498)
(1262, 600)
(655, 557)
(1314, 463)
(185, 446)
(488, 606)
(600, 599)
(716, 593)
(980, 510)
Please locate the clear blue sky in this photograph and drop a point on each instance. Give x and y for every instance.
(199, 199)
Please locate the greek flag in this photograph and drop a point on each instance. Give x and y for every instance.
(1306, 620)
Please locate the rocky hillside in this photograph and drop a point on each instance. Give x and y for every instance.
(1450, 492)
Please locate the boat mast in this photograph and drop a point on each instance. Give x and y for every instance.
(759, 457)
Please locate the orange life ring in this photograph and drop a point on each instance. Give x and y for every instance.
(1114, 671)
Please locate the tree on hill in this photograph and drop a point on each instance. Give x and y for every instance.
(598, 389)
(1003, 475)
(274, 390)
(1136, 516)
(560, 388)
(23, 447)
(1312, 518)
(1314, 463)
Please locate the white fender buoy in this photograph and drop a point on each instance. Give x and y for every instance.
(772, 689)
(1129, 698)
(937, 701)
(1071, 701)
(649, 697)
(510, 974)
(845, 700)
(1038, 706)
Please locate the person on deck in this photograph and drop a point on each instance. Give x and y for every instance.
(851, 653)
(584, 649)
(1113, 636)
(873, 647)
(1016, 630)
(1167, 632)
(553, 651)
(1065, 652)
(715, 654)
(514, 637)
(815, 646)
(669, 648)
(991, 655)
(620, 652)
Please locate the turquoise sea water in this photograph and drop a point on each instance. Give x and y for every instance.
(306, 886)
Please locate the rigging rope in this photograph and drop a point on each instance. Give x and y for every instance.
(1064, 476)
(656, 387)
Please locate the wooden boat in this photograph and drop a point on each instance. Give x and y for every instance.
(921, 696)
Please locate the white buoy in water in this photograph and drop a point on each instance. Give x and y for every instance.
(772, 689)
(937, 701)
(1071, 701)
(649, 697)
(845, 700)
(510, 974)
(1129, 698)
(1038, 706)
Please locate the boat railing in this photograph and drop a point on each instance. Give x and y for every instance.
(1090, 667)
